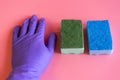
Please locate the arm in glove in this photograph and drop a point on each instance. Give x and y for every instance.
(30, 55)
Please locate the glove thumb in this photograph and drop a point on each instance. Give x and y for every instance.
(51, 42)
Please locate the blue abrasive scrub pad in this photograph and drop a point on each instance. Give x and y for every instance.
(99, 37)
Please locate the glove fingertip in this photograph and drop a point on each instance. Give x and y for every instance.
(16, 32)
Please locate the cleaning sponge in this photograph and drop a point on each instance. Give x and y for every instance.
(72, 40)
(99, 37)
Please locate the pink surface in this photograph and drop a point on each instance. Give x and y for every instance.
(63, 67)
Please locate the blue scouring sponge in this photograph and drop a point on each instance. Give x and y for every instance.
(99, 37)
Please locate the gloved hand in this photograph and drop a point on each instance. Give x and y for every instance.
(30, 55)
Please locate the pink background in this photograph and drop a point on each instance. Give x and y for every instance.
(63, 67)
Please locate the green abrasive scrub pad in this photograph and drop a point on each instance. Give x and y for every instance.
(72, 39)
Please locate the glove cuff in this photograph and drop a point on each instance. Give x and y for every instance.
(24, 73)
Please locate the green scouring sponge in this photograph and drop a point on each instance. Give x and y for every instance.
(72, 39)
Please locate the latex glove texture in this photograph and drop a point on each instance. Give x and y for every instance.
(30, 55)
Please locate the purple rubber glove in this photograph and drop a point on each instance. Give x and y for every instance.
(30, 54)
